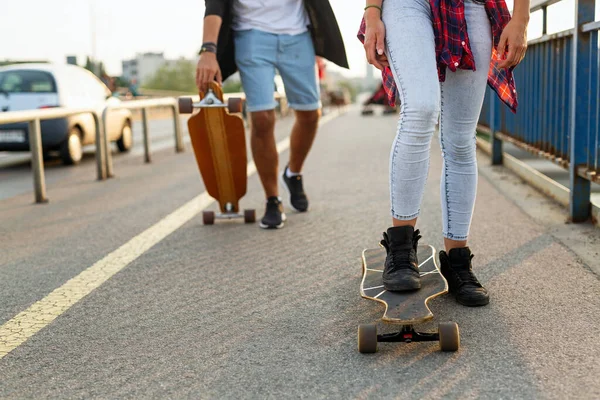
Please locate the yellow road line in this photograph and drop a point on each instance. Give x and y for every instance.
(24, 325)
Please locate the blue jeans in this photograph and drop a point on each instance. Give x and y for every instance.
(455, 103)
(258, 54)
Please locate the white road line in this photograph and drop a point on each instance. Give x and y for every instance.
(24, 325)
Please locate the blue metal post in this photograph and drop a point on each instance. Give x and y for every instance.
(580, 97)
(496, 143)
(544, 20)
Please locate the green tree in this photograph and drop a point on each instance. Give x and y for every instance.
(181, 77)
(94, 66)
(352, 89)
(121, 82)
(232, 87)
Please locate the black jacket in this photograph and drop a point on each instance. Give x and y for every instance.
(323, 26)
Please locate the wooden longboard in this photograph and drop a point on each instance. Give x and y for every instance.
(406, 308)
(219, 143)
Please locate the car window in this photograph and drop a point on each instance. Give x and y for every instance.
(27, 81)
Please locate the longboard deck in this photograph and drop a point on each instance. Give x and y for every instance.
(218, 140)
(406, 308)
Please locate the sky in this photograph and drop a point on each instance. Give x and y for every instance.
(123, 28)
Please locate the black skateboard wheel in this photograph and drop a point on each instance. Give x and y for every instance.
(235, 105)
(367, 338)
(249, 216)
(208, 217)
(449, 336)
(186, 105)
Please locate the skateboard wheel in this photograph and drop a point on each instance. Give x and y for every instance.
(449, 336)
(186, 105)
(249, 216)
(208, 217)
(367, 338)
(234, 105)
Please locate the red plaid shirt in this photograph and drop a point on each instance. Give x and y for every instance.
(453, 49)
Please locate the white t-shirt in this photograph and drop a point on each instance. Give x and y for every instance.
(273, 16)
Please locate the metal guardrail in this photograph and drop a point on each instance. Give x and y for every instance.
(144, 105)
(33, 117)
(104, 166)
(559, 110)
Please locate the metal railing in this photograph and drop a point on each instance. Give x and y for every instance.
(33, 117)
(145, 105)
(559, 104)
(104, 165)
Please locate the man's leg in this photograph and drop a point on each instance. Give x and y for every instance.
(264, 149)
(256, 55)
(302, 138)
(297, 66)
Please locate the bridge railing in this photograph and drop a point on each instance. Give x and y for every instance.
(33, 118)
(144, 106)
(104, 166)
(559, 104)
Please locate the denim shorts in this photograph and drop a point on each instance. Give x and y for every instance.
(258, 54)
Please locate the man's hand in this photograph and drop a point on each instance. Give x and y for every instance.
(207, 71)
(375, 42)
(514, 37)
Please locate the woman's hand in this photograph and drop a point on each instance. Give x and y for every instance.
(375, 42)
(514, 37)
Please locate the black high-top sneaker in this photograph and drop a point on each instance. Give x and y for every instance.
(274, 216)
(462, 283)
(401, 270)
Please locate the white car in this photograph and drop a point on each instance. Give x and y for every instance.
(36, 86)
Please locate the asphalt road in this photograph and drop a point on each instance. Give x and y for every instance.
(232, 311)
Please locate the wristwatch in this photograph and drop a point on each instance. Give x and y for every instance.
(209, 47)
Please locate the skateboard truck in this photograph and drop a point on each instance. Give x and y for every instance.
(408, 335)
(447, 335)
(208, 217)
(210, 100)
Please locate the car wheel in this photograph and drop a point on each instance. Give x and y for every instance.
(71, 150)
(125, 142)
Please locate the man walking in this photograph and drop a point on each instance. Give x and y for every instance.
(257, 37)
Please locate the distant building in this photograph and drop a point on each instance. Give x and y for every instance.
(144, 66)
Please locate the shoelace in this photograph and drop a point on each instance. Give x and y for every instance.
(400, 259)
(466, 275)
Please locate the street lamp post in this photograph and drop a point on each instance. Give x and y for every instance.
(93, 33)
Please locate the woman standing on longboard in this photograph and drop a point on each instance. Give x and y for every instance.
(437, 55)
